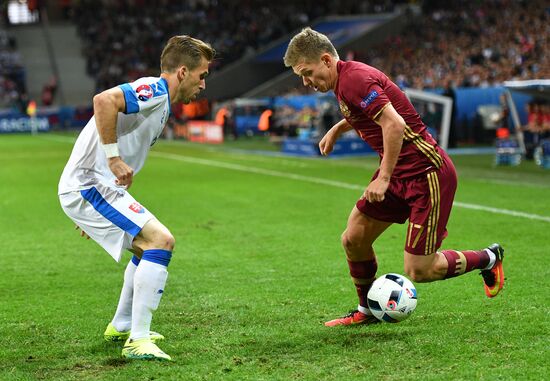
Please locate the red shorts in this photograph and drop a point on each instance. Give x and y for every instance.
(425, 200)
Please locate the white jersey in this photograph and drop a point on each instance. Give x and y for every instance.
(147, 109)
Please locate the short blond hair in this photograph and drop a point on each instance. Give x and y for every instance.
(308, 46)
(184, 51)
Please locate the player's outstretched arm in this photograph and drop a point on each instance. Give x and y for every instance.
(107, 105)
(327, 143)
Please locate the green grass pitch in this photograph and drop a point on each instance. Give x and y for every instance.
(258, 267)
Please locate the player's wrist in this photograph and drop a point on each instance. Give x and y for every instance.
(384, 177)
(111, 150)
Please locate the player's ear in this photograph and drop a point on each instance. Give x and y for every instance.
(326, 59)
(182, 72)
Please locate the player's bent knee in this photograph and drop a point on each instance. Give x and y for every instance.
(418, 275)
(349, 242)
(356, 248)
(166, 241)
(156, 239)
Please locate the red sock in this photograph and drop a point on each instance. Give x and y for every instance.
(460, 262)
(363, 273)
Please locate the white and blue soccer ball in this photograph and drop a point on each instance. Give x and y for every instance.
(392, 298)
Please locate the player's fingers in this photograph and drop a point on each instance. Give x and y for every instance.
(327, 149)
(123, 180)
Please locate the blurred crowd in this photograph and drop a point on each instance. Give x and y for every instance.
(123, 38)
(453, 44)
(468, 43)
(12, 74)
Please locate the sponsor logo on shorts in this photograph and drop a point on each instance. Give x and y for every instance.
(368, 99)
(144, 93)
(137, 208)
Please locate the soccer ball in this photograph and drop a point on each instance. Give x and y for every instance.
(392, 298)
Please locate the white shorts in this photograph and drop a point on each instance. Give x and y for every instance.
(111, 217)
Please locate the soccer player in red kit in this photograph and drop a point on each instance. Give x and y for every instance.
(416, 180)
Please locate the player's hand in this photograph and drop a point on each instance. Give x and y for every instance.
(123, 173)
(326, 145)
(82, 232)
(376, 190)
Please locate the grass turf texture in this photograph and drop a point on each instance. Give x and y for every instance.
(258, 267)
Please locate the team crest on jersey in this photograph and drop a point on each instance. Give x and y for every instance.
(137, 208)
(144, 93)
(344, 109)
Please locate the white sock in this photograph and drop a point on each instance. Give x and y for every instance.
(492, 259)
(149, 282)
(122, 321)
(364, 310)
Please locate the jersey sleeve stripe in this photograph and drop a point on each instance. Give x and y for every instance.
(95, 198)
(130, 98)
(380, 111)
(164, 84)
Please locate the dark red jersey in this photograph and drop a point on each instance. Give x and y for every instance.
(363, 92)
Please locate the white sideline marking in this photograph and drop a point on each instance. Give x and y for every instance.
(315, 180)
(337, 184)
(502, 211)
(58, 138)
(261, 171)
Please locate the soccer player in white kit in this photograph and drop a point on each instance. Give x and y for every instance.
(109, 151)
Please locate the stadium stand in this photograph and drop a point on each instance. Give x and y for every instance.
(464, 44)
(468, 44)
(12, 73)
(450, 44)
(123, 38)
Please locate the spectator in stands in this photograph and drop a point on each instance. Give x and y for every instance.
(532, 131)
(12, 74)
(48, 91)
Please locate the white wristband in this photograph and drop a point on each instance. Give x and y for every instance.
(111, 150)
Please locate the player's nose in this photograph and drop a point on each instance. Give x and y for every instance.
(202, 84)
(305, 81)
